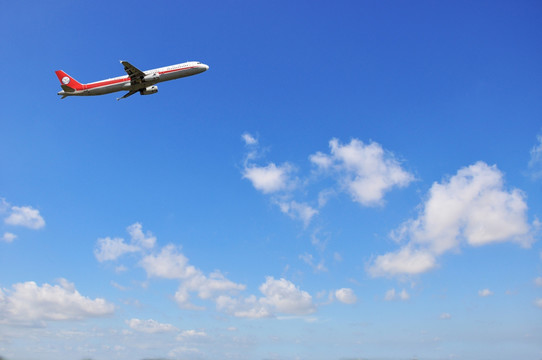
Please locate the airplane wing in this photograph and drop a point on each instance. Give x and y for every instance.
(134, 73)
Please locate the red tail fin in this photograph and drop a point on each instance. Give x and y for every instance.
(66, 81)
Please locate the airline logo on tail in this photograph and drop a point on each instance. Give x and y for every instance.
(68, 84)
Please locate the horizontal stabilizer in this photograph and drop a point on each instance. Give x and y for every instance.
(66, 88)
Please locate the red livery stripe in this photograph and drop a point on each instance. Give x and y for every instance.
(125, 79)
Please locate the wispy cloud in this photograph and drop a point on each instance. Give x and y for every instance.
(392, 295)
(192, 336)
(249, 139)
(485, 293)
(309, 260)
(535, 162)
(150, 326)
(295, 210)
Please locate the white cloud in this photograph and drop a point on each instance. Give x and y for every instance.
(392, 295)
(8, 237)
(270, 178)
(108, 249)
(146, 241)
(471, 207)
(535, 163)
(171, 264)
(206, 288)
(248, 307)
(538, 281)
(280, 297)
(168, 263)
(29, 303)
(284, 297)
(25, 216)
(367, 172)
(485, 293)
(538, 302)
(277, 181)
(321, 160)
(404, 261)
(150, 326)
(445, 316)
(297, 210)
(346, 296)
(249, 139)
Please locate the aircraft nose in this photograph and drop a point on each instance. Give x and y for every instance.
(205, 67)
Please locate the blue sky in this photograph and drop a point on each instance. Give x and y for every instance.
(352, 180)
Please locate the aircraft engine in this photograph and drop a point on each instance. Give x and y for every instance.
(149, 90)
(151, 78)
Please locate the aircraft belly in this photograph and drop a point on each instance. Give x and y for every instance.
(169, 76)
(108, 89)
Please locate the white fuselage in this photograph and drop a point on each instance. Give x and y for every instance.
(125, 83)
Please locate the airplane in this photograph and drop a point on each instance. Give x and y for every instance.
(136, 81)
